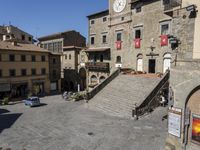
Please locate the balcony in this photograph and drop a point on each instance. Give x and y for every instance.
(98, 66)
(169, 5)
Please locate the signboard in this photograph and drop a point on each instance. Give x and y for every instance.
(5, 87)
(174, 121)
(196, 129)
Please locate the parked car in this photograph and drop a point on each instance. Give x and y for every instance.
(32, 101)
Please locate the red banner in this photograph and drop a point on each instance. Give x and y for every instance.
(164, 40)
(118, 45)
(137, 43)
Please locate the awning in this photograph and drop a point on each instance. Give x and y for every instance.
(98, 49)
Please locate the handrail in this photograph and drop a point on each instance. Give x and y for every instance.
(150, 102)
(98, 88)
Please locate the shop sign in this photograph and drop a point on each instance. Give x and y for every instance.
(174, 121)
(196, 129)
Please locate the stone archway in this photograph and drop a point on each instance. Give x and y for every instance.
(83, 77)
(101, 79)
(166, 62)
(93, 80)
(139, 62)
(193, 105)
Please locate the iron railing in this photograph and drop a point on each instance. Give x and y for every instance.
(98, 66)
(97, 89)
(152, 101)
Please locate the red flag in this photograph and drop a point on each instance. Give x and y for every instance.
(164, 40)
(137, 43)
(119, 45)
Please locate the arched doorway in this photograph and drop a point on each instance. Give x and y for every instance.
(118, 62)
(166, 62)
(139, 63)
(71, 86)
(101, 79)
(82, 74)
(193, 105)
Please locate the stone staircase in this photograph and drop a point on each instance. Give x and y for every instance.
(120, 96)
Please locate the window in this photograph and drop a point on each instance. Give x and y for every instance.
(166, 2)
(92, 22)
(65, 57)
(23, 72)
(104, 38)
(33, 71)
(0, 57)
(95, 58)
(138, 9)
(30, 39)
(119, 36)
(122, 18)
(45, 46)
(12, 57)
(104, 19)
(138, 34)
(0, 73)
(33, 58)
(12, 72)
(43, 58)
(92, 40)
(101, 58)
(54, 73)
(23, 57)
(23, 37)
(54, 61)
(43, 71)
(118, 59)
(165, 29)
(70, 56)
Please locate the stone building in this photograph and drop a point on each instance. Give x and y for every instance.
(68, 44)
(54, 72)
(185, 75)
(130, 34)
(24, 69)
(11, 32)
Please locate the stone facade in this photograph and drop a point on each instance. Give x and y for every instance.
(68, 44)
(184, 79)
(13, 33)
(24, 69)
(143, 20)
(54, 72)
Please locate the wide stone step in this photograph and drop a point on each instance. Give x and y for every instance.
(120, 96)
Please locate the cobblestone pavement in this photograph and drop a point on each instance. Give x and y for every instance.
(61, 125)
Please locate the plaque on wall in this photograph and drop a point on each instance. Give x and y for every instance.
(196, 129)
(174, 121)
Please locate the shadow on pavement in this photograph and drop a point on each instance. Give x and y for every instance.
(41, 105)
(7, 120)
(3, 111)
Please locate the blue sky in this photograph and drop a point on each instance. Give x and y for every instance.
(43, 17)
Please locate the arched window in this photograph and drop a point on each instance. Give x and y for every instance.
(118, 59)
(101, 79)
(93, 79)
(166, 62)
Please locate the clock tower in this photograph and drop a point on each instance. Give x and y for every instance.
(118, 6)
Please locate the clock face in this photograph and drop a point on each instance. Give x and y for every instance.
(119, 5)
